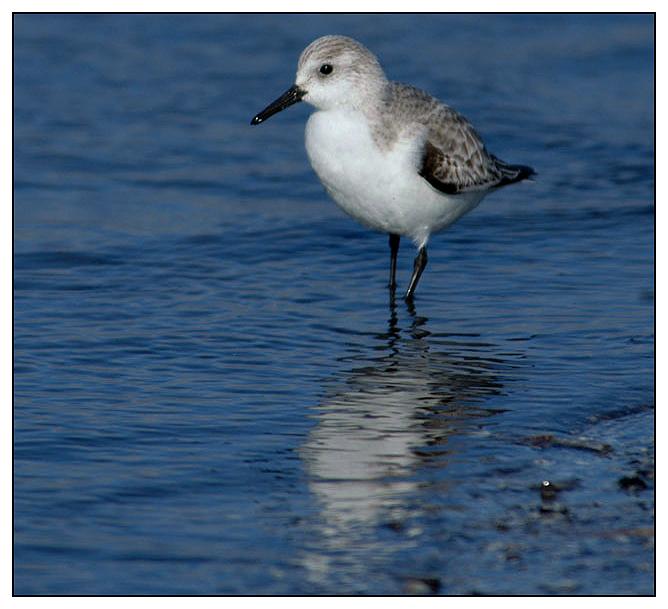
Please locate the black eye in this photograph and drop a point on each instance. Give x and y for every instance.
(326, 68)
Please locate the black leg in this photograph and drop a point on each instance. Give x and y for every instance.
(394, 248)
(418, 266)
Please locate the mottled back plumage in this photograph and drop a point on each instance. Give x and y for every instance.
(454, 158)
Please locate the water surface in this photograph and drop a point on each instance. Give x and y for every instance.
(214, 393)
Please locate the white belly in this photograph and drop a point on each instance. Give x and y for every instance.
(380, 189)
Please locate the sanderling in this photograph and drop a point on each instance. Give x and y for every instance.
(391, 156)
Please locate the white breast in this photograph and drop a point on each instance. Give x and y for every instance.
(379, 188)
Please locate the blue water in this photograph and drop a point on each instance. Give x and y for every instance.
(212, 392)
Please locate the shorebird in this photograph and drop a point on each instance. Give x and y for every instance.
(390, 155)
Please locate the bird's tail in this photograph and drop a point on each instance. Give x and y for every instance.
(513, 173)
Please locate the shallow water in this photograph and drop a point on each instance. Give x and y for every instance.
(213, 393)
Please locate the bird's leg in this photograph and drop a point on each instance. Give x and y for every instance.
(394, 248)
(418, 266)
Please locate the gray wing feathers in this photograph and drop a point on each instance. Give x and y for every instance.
(454, 158)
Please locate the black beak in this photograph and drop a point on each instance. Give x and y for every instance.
(293, 95)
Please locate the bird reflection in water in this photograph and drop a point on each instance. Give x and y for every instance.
(392, 418)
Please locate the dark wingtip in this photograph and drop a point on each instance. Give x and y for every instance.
(256, 120)
(514, 173)
(527, 173)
